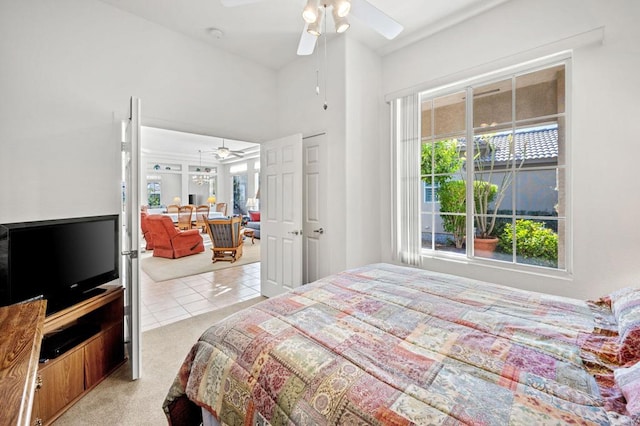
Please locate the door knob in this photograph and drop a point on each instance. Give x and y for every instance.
(319, 231)
(294, 232)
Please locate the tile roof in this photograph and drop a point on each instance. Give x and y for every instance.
(538, 143)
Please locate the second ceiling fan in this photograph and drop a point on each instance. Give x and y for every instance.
(314, 13)
(223, 152)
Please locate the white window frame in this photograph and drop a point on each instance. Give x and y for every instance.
(487, 78)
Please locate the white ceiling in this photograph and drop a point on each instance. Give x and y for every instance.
(268, 31)
(170, 144)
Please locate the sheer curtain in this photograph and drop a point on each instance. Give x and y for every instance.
(407, 183)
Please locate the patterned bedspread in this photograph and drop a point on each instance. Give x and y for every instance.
(392, 345)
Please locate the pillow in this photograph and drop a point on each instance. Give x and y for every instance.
(254, 216)
(628, 380)
(625, 305)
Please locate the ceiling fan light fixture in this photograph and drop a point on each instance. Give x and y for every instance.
(311, 13)
(315, 29)
(223, 152)
(341, 22)
(342, 8)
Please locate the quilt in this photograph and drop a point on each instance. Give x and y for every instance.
(393, 345)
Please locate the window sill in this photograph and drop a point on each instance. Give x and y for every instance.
(448, 258)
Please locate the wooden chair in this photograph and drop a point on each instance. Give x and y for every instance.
(173, 208)
(202, 214)
(221, 208)
(226, 238)
(185, 214)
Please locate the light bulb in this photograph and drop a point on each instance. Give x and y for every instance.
(315, 29)
(342, 24)
(342, 7)
(310, 12)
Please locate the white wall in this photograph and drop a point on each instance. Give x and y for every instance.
(300, 111)
(178, 181)
(605, 150)
(365, 146)
(68, 65)
(354, 142)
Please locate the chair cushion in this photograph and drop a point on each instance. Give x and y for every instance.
(171, 243)
(146, 233)
(253, 225)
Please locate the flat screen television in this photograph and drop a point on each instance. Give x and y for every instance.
(63, 261)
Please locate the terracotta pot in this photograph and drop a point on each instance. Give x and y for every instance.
(484, 247)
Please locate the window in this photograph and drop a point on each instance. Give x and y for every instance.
(430, 193)
(493, 166)
(238, 168)
(153, 191)
(240, 194)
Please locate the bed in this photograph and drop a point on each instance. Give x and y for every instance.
(394, 345)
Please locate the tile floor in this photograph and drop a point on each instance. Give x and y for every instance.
(173, 300)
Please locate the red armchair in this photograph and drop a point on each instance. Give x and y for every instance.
(169, 242)
(146, 234)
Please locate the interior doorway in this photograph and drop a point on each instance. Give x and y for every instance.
(184, 167)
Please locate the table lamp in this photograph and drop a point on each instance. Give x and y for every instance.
(211, 200)
(251, 203)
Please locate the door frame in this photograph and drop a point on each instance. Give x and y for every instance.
(130, 226)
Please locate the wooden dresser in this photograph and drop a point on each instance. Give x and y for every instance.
(63, 380)
(21, 328)
(36, 391)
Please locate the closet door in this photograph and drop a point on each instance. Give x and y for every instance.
(281, 215)
(316, 241)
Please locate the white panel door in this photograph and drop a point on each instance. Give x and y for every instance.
(130, 220)
(315, 239)
(281, 215)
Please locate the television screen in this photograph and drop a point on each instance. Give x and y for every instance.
(60, 260)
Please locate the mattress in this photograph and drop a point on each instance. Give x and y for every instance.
(393, 345)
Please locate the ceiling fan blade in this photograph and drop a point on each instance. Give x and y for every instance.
(238, 154)
(234, 3)
(307, 42)
(375, 18)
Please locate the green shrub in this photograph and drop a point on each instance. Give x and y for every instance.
(535, 243)
(452, 195)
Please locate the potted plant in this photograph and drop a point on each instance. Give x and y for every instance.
(484, 193)
(487, 195)
(444, 159)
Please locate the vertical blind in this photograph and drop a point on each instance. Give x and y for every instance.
(407, 188)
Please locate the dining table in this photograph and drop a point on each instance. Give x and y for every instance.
(174, 216)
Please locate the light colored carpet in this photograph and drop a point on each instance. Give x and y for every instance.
(162, 269)
(121, 401)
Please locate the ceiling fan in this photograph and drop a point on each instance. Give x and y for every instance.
(313, 15)
(223, 152)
